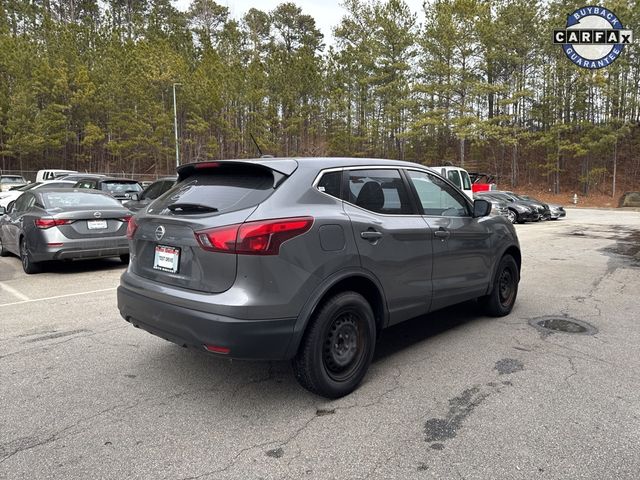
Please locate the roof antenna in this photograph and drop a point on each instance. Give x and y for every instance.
(262, 155)
(256, 144)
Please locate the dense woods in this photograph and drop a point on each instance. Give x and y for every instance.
(88, 85)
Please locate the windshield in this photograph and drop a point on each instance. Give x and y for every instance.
(78, 199)
(12, 180)
(121, 187)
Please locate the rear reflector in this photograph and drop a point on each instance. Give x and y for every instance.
(44, 223)
(55, 244)
(216, 349)
(132, 226)
(262, 237)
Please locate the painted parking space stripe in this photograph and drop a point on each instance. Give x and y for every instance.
(56, 297)
(14, 292)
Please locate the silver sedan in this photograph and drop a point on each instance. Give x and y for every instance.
(63, 224)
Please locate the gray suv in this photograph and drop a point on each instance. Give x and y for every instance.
(310, 259)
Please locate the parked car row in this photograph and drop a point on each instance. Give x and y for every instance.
(523, 208)
(71, 217)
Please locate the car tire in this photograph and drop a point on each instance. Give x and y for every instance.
(512, 215)
(125, 259)
(338, 346)
(504, 289)
(28, 265)
(3, 251)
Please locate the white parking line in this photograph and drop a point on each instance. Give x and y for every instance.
(14, 292)
(57, 296)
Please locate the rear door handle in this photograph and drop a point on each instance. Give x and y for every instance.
(371, 235)
(442, 233)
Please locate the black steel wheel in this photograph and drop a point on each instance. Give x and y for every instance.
(337, 348)
(505, 289)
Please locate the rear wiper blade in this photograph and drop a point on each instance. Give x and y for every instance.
(191, 208)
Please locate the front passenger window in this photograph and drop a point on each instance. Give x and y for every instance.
(436, 197)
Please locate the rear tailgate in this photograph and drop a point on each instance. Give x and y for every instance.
(164, 244)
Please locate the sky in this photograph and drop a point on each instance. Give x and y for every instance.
(327, 13)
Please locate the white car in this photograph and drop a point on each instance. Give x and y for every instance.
(458, 176)
(7, 197)
(52, 174)
(7, 182)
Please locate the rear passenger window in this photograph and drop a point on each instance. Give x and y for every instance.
(380, 191)
(330, 183)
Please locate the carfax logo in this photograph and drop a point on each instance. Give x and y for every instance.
(594, 37)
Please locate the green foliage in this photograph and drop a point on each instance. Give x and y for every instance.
(89, 84)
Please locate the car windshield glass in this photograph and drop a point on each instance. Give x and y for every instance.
(466, 182)
(77, 199)
(225, 189)
(12, 180)
(27, 187)
(121, 187)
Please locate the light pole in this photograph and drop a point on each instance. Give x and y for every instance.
(175, 124)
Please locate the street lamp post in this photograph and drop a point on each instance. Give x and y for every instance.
(175, 124)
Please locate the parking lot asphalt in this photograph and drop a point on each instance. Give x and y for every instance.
(454, 394)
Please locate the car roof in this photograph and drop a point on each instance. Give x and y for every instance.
(12, 176)
(58, 180)
(116, 179)
(287, 165)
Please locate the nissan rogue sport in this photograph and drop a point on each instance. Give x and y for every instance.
(309, 259)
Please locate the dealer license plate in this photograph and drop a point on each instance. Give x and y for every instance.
(166, 259)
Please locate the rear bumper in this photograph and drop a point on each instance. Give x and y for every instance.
(266, 339)
(74, 249)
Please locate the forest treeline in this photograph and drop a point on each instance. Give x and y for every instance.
(87, 84)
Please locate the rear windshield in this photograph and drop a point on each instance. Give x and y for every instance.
(121, 187)
(78, 199)
(222, 189)
(12, 180)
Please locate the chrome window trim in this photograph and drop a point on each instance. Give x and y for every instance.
(416, 168)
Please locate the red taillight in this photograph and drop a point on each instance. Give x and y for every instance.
(216, 349)
(262, 237)
(44, 223)
(220, 239)
(131, 227)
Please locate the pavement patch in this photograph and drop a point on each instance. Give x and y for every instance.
(275, 453)
(508, 365)
(460, 407)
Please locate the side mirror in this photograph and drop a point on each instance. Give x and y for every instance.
(134, 197)
(481, 208)
(3, 210)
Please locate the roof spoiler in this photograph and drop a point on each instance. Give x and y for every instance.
(285, 166)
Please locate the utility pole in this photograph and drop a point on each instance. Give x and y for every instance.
(175, 124)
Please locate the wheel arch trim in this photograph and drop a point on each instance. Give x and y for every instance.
(320, 293)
